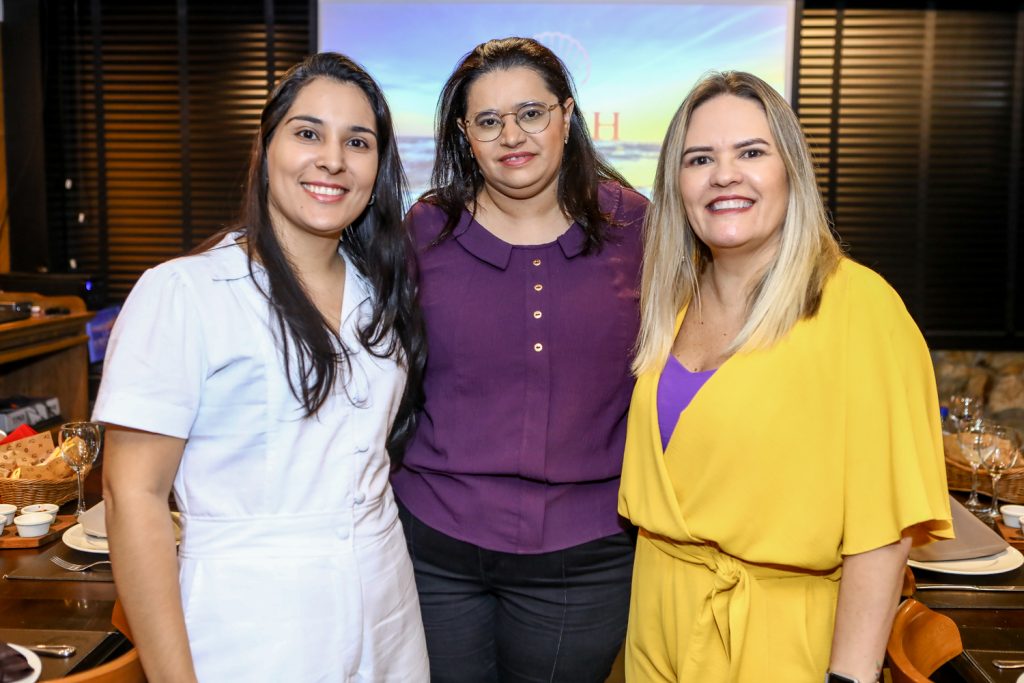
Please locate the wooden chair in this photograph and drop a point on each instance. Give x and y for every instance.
(120, 620)
(906, 591)
(124, 669)
(920, 642)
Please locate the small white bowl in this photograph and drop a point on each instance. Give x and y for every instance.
(48, 508)
(33, 524)
(7, 512)
(1012, 515)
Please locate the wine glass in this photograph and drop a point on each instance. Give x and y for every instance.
(963, 408)
(975, 439)
(79, 446)
(1000, 457)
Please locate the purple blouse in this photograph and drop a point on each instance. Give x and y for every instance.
(676, 388)
(519, 445)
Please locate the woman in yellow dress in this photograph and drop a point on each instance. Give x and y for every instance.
(784, 449)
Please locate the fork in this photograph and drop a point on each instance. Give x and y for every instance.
(72, 567)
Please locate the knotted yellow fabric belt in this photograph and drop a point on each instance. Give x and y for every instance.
(724, 611)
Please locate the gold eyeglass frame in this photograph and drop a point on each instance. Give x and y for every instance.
(469, 125)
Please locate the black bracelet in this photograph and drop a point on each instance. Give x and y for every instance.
(833, 677)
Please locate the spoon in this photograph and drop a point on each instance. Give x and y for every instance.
(52, 650)
(1008, 663)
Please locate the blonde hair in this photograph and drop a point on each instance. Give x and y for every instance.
(791, 286)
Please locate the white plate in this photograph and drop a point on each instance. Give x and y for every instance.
(1021, 679)
(33, 661)
(76, 538)
(1004, 561)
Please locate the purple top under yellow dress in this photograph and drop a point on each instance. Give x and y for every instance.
(676, 389)
(519, 445)
(788, 458)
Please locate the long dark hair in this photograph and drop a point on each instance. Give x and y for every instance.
(376, 243)
(457, 180)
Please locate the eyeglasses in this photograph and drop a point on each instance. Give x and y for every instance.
(532, 117)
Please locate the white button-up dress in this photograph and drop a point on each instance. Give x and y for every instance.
(293, 565)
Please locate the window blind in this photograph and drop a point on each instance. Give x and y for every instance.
(152, 110)
(915, 119)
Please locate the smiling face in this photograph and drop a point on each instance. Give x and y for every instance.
(322, 161)
(517, 164)
(732, 178)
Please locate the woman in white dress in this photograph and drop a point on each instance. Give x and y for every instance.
(262, 380)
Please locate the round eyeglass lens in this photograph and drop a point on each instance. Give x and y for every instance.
(532, 117)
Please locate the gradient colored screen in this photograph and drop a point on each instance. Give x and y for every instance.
(632, 63)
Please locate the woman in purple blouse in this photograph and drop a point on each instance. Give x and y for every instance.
(528, 251)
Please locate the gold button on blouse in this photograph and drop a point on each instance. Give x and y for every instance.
(537, 314)
(536, 261)
(538, 347)
(538, 287)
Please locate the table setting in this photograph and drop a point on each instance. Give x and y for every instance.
(51, 653)
(977, 550)
(58, 622)
(977, 579)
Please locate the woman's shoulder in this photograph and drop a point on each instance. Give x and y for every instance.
(225, 260)
(868, 299)
(425, 220)
(625, 205)
(863, 285)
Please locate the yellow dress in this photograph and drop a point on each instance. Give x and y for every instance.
(827, 444)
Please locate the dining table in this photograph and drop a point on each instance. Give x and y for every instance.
(42, 604)
(991, 623)
(76, 609)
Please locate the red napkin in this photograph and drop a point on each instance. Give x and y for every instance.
(20, 433)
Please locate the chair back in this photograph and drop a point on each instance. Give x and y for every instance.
(920, 642)
(120, 620)
(125, 669)
(907, 590)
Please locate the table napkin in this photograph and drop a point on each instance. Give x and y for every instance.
(13, 665)
(34, 457)
(94, 521)
(973, 539)
(20, 433)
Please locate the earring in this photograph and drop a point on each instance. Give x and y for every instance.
(373, 198)
(566, 140)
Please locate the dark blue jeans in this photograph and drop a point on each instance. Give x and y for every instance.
(500, 617)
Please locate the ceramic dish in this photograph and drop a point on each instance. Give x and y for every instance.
(33, 525)
(33, 661)
(76, 538)
(1004, 561)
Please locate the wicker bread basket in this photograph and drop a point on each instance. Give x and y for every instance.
(958, 475)
(22, 492)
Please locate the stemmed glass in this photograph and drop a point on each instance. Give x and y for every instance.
(79, 446)
(1000, 457)
(975, 438)
(963, 408)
